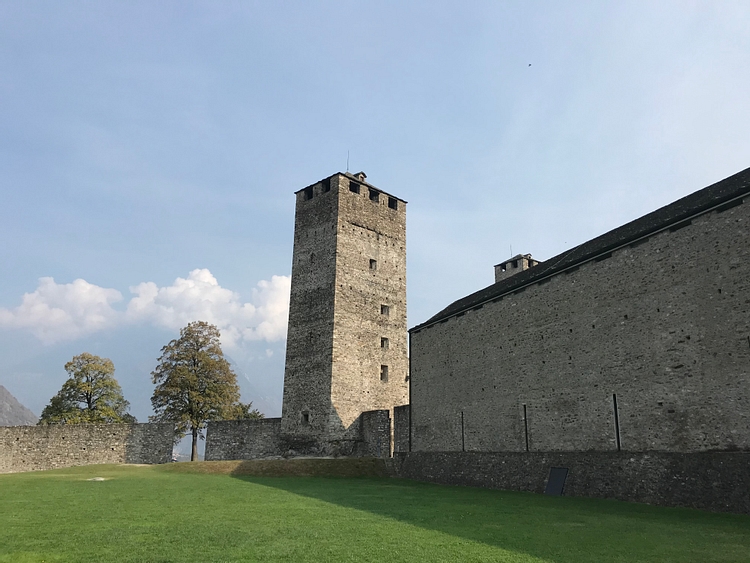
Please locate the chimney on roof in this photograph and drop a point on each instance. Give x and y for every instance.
(515, 265)
(360, 176)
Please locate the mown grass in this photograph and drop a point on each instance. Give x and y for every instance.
(212, 513)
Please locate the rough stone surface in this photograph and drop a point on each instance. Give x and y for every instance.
(401, 429)
(376, 434)
(33, 448)
(263, 439)
(243, 439)
(13, 413)
(347, 315)
(661, 327)
(717, 481)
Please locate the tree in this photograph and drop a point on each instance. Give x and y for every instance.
(90, 394)
(244, 411)
(195, 384)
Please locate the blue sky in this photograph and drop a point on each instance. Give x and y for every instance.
(149, 153)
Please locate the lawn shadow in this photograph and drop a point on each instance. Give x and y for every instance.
(559, 529)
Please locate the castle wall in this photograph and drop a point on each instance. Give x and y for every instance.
(34, 448)
(716, 481)
(264, 438)
(376, 434)
(661, 327)
(401, 429)
(243, 439)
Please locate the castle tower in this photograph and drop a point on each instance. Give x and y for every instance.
(347, 341)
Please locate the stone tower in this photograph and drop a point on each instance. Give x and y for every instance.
(347, 341)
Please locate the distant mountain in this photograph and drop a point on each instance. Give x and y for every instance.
(13, 413)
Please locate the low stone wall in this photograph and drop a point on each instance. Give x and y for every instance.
(34, 448)
(717, 481)
(243, 439)
(263, 438)
(376, 434)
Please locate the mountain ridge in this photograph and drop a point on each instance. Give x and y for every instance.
(12, 412)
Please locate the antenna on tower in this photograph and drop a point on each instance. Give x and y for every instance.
(347, 160)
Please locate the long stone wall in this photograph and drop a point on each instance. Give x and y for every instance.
(717, 481)
(645, 348)
(34, 448)
(264, 438)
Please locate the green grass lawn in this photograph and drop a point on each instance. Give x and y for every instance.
(183, 512)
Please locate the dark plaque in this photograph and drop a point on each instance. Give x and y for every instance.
(556, 481)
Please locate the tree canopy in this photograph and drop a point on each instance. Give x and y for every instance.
(90, 394)
(195, 384)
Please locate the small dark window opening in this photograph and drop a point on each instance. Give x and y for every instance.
(384, 343)
(308, 193)
(385, 310)
(503, 267)
(373, 264)
(515, 263)
(326, 185)
(305, 418)
(353, 187)
(392, 203)
(383, 373)
(374, 196)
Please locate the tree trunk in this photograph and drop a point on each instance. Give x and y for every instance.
(194, 452)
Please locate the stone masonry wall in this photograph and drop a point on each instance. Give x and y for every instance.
(376, 434)
(661, 327)
(346, 344)
(243, 439)
(401, 429)
(264, 438)
(33, 448)
(306, 407)
(717, 481)
(370, 304)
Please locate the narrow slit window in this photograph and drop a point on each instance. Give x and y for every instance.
(354, 187)
(526, 426)
(383, 373)
(385, 310)
(617, 422)
(326, 185)
(374, 196)
(392, 203)
(384, 343)
(305, 418)
(373, 264)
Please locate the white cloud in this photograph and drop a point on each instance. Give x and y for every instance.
(200, 297)
(57, 312)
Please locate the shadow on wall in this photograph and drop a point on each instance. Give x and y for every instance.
(564, 530)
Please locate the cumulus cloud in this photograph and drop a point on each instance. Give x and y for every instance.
(57, 312)
(200, 297)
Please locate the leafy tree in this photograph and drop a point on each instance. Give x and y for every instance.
(246, 411)
(195, 384)
(90, 394)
